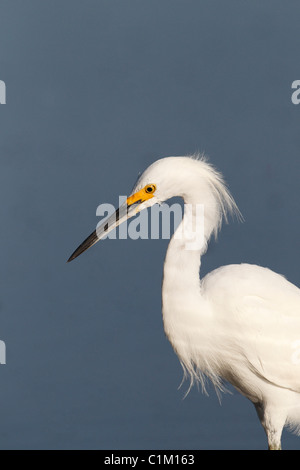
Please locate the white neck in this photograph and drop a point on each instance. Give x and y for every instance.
(181, 291)
(182, 265)
(183, 258)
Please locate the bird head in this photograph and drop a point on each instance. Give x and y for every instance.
(193, 179)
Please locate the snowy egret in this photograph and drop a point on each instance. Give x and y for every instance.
(240, 323)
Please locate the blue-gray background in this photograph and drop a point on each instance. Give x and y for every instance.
(96, 91)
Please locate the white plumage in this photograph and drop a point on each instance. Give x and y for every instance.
(240, 323)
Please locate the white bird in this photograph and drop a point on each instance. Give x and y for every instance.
(240, 323)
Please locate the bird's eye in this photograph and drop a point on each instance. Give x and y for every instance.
(150, 188)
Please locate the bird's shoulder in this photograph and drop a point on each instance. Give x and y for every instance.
(248, 284)
(259, 311)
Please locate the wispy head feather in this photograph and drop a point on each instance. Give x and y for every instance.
(215, 179)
